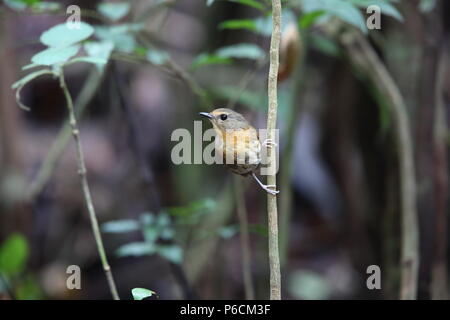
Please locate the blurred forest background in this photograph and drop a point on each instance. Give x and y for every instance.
(363, 174)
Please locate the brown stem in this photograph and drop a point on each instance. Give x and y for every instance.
(364, 58)
(85, 187)
(45, 171)
(439, 287)
(272, 210)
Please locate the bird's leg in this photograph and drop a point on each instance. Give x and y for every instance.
(265, 187)
(269, 143)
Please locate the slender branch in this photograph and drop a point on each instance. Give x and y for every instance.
(190, 82)
(154, 8)
(439, 276)
(85, 187)
(176, 70)
(245, 241)
(274, 256)
(59, 145)
(364, 58)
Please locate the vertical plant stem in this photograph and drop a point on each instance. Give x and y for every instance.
(47, 168)
(365, 59)
(274, 256)
(439, 276)
(245, 241)
(85, 187)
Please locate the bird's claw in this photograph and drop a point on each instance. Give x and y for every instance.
(269, 143)
(265, 187)
(269, 190)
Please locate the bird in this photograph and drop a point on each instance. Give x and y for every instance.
(237, 142)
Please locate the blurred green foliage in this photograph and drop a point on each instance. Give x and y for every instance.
(14, 280)
(162, 233)
(13, 255)
(142, 293)
(114, 10)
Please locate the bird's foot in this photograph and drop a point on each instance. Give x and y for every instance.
(269, 143)
(266, 188)
(270, 189)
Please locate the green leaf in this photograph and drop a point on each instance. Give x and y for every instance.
(120, 35)
(246, 24)
(251, 3)
(52, 56)
(205, 59)
(162, 220)
(307, 285)
(264, 24)
(193, 207)
(172, 253)
(385, 7)
(306, 20)
(242, 50)
(16, 5)
(45, 6)
(63, 36)
(30, 66)
(253, 100)
(157, 57)
(151, 233)
(13, 255)
(147, 218)
(259, 229)
(167, 234)
(341, 9)
(426, 6)
(27, 2)
(141, 293)
(136, 249)
(29, 289)
(101, 50)
(114, 11)
(227, 231)
(325, 45)
(120, 226)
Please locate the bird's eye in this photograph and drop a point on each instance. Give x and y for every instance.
(223, 117)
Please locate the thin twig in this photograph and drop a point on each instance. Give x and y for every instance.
(85, 187)
(193, 85)
(245, 241)
(177, 71)
(48, 165)
(274, 256)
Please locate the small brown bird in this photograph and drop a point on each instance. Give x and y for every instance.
(238, 143)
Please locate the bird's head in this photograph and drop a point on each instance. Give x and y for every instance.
(226, 119)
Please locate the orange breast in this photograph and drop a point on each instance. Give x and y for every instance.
(241, 147)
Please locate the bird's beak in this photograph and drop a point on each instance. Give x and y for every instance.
(206, 114)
